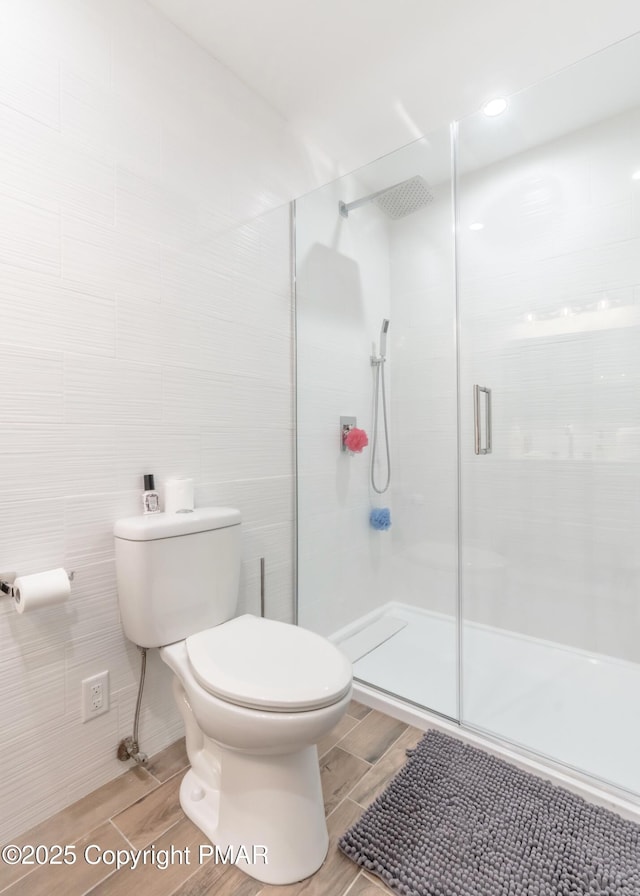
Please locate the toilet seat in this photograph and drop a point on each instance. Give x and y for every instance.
(271, 666)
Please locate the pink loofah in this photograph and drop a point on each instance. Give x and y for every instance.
(355, 440)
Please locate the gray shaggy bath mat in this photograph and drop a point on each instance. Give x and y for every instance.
(456, 821)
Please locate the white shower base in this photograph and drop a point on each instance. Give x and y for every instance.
(578, 709)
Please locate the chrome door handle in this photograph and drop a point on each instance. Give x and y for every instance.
(477, 427)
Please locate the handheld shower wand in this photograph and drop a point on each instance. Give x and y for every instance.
(383, 338)
(378, 364)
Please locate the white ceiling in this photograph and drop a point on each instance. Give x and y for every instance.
(358, 78)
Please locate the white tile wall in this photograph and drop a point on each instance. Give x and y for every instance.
(146, 327)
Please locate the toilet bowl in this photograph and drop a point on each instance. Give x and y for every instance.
(255, 778)
(255, 695)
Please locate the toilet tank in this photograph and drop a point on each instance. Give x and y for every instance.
(177, 573)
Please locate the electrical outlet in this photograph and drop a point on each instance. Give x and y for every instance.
(95, 696)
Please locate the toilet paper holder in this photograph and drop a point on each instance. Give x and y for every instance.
(8, 578)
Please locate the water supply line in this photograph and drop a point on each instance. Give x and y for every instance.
(128, 748)
(378, 362)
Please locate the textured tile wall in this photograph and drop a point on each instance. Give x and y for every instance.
(145, 327)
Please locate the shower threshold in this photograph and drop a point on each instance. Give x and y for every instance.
(571, 714)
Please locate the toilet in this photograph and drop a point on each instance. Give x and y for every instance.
(256, 695)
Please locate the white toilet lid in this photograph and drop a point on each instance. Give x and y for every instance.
(262, 664)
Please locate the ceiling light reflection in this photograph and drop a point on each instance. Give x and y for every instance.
(495, 107)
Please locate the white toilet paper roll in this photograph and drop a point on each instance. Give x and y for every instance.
(178, 495)
(43, 589)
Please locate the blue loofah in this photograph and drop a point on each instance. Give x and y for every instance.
(380, 518)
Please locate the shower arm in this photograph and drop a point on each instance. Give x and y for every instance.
(345, 207)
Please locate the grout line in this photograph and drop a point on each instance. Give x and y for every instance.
(17, 881)
(122, 833)
(327, 817)
(350, 887)
(392, 745)
(197, 871)
(144, 795)
(181, 771)
(375, 881)
(355, 756)
(160, 781)
(113, 822)
(99, 883)
(148, 843)
(338, 742)
(372, 765)
(382, 755)
(363, 717)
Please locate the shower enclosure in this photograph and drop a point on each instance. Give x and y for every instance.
(506, 594)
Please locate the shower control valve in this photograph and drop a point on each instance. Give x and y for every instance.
(346, 425)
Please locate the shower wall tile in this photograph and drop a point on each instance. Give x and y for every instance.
(239, 348)
(52, 460)
(32, 535)
(29, 234)
(85, 655)
(87, 116)
(245, 451)
(116, 258)
(171, 451)
(89, 526)
(32, 384)
(32, 753)
(51, 312)
(190, 279)
(93, 601)
(260, 501)
(150, 333)
(25, 154)
(147, 207)
(146, 327)
(34, 686)
(29, 80)
(101, 390)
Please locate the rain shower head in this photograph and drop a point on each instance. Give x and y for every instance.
(396, 201)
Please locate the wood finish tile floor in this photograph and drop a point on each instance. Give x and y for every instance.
(140, 808)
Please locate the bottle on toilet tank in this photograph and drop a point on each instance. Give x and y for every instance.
(150, 497)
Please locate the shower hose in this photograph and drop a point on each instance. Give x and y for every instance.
(379, 380)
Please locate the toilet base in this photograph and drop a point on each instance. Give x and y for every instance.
(254, 786)
(269, 821)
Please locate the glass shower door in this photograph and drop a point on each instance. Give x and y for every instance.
(549, 323)
(377, 245)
